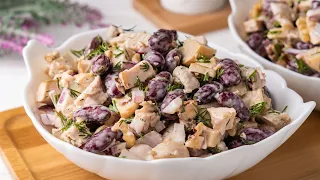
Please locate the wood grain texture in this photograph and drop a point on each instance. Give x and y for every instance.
(192, 24)
(28, 156)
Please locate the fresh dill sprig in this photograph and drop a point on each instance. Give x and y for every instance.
(284, 109)
(74, 93)
(113, 106)
(219, 73)
(83, 129)
(120, 52)
(302, 66)
(205, 79)
(202, 117)
(276, 24)
(174, 87)
(144, 66)
(58, 83)
(124, 120)
(257, 109)
(252, 77)
(118, 66)
(203, 59)
(56, 98)
(77, 53)
(180, 43)
(139, 84)
(66, 123)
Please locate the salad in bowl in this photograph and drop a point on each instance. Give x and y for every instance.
(283, 36)
(159, 105)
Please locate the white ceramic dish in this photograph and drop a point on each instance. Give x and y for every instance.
(220, 166)
(307, 87)
(192, 7)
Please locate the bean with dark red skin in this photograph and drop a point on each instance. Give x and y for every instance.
(127, 65)
(206, 93)
(234, 142)
(231, 100)
(255, 42)
(173, 59)
(231, 72)
(96, 114)
(155, 59)
(100, 141)
(161, 40)
(171, 96)
(111, 85)
(254, 135)
(157, 87)
(315, 4)
(100, 64)
(95, 42)
(164, 76)
(302, 45)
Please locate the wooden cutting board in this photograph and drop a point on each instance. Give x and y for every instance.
(29, 156)
(192, 24)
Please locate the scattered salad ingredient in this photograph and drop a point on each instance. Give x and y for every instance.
(286, 33)
(179, 101)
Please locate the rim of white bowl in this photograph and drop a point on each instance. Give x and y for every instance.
(309, 106)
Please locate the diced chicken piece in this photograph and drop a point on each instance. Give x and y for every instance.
(196, 68)
(145, 117)
(152, 139)
(255, 75)
(222, 118)
(62, 64)
(132, 40)
(233, 131)
(211, 65)
(200, 39)
(137, 95)
(240, 89)
(280, 33)
(93, 94)
(312, 58)
(255, 97)
(195, 141)
(47, 116)
(250, 124)
(73, 136)
(112, 32)
(188, 115)
(84, 66)
(174, 106)
(222, 146)
(128, 135)
(44, 89)
(256, 10)
(81, 81)
(52, 56)
(314, 36)
(129, 77)
(303, 29)
(141, 150)
(136, 58)
(113, 118)
(159, 126)
(126, 106)
(66, 104)
(65, 78)
(167, 133)
(281, 10)
(277, 120)
(305, 5)
(189, 81)
(212, 137)
(253, 25)
(191, 49)
(168, 149)
(178, 134)
(129, 155)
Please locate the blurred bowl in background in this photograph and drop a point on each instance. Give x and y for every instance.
(192, 7)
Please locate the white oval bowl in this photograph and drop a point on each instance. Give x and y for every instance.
(307, 87)
(219, 166)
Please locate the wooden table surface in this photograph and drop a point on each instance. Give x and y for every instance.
(29, 156)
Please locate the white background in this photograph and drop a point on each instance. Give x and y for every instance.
(13, 74)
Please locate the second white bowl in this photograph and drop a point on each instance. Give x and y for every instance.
(307, 87)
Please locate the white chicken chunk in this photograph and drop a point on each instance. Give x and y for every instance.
(240, 89)
(141, 150)
(92, 95)
(145, 118)
(255, 75)
(187, 79)
(222, 118)
(62, 64)
(253, 25)
(141, 71)
(128, 135)
(84, 66)
(200, 39)
(255, 97)
(188, 115)
(65, 104)
(129, 155)
(312, 58)
(277, 120)
(131, 40)
(44, 89)
(168, 149)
